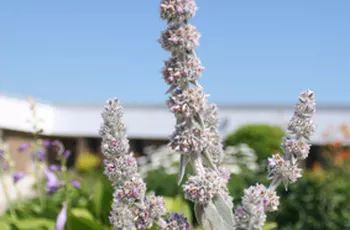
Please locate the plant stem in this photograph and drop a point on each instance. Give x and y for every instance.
(39, 188)
(7, 196)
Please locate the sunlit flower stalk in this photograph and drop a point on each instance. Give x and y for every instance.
(131, 208)
(62, 218)
(196, 135)
(57, 178)
(258, 199)
(35, 122)
(6, 165)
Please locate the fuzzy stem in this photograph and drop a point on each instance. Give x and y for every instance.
(7, 196)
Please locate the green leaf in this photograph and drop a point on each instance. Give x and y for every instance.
(34, 224)
(270, 226)
(4, 225)
(97, 198)
(82, 219)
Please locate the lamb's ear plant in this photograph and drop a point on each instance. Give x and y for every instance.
(282, 169)
(131, 208)
(197, 139)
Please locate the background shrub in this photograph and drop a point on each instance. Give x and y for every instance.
(264, 139)
(318, 201)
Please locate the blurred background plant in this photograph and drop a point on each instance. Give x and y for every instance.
(320, 201)
(237, 158)
(264, 139)
(87, 161)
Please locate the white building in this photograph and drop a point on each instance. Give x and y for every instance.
(153, 122)
(78, 125)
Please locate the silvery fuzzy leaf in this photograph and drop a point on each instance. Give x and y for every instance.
(198, 118)
(171, 89)
(194, 82)
(183, 163)
(198, 212)
(224, 205)
(208, 158)
(210, 218)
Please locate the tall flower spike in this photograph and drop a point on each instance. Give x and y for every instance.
(258, 200)
(196, 136)
(131, 208)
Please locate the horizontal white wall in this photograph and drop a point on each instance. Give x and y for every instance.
(155, 122)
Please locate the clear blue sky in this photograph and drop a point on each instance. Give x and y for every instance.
(254, 51)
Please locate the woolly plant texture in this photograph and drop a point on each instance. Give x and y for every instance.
(131, 208)
(196, 138)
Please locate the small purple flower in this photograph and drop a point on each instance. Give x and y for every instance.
(46, 143)
(57, 147)
(66, 154)
(23, 147)
(2, 152)
(54, 168)
(4, 165)
(52, 183)
(75, 184)
(17, 176)
(61, 218)
(41, 154)
(177, 221)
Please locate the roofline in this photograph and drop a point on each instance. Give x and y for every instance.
(221, 106)
(247, 106)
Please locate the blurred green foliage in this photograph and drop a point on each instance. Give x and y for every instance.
(162, 183)
(320, 200)
(87, 207)
(264, 139)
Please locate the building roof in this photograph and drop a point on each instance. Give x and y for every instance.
(156, 122)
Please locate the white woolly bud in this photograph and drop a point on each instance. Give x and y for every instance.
(257, 200)
(187, 103)
(202, 188)
(298, 148)
(180, 38)
(177, 10)
(279, 168)
(180, 72)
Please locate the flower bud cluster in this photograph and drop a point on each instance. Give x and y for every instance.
(298, 148)
(256, 201)
(156, 206)
(180, 38)
(176, 222)
(301, 125)
(132, 190)
(196, 135)
(181, 71)
(187, 141)
(113, 131)
(121, 216)
(296, 143)
(187, 103)
(278, 168)
(177, 10)
(203, 187)
(131, 208)
(119, 169)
